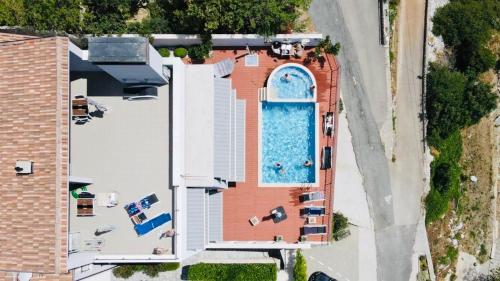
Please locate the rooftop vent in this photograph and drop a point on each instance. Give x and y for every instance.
(24, 167)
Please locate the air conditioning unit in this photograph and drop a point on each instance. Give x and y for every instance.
(24, 167)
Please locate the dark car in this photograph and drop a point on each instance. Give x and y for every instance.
(320, 276)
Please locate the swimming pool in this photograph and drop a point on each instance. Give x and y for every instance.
(292, 81)
(288, 137)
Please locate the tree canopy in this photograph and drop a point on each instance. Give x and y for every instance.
(466, 26)
(177, 16)
(454, 101)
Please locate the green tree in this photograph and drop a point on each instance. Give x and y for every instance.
(466, 27)
(233, 16)
(445, 91)
(479, 101)
(53, 15)
(12, 13)
(300, 267)
(108, 16)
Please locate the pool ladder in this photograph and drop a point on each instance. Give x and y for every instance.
(263, 94)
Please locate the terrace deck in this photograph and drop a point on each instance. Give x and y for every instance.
(247, 199)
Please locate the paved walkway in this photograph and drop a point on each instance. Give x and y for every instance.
(363, 67)
(353, 258)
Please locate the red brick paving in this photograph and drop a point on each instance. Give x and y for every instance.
(247, 199)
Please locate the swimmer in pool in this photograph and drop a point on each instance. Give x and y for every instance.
(308, 163)
(287, 77)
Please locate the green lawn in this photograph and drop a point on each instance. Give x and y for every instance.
(232, 272)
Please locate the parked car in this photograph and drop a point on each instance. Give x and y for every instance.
(320, 276)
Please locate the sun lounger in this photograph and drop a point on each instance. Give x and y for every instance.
(328, 124)
(312, 211)
(144, 228)
(313, 230)
(326, 158)
(312, 196)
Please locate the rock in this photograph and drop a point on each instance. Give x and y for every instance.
(473, 179)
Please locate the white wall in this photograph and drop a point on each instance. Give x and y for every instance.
(234, 40)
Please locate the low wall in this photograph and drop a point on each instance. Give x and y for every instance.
(235, 40)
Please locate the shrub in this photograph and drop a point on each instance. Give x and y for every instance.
(125, 271)
(340, 223)
(232, 272)
(300, 268)
(152, 270)
(445, 177)
(327, 46)
(202, 51)
(164, 52)
(180, 52)
(168, 266)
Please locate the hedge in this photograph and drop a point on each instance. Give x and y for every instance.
(180, 52)
(152, 270)
(232, 272)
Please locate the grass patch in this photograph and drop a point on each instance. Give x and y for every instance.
(232, 272)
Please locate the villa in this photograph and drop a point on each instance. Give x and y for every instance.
(111, 153)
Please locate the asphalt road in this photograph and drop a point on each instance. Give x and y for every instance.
(363, 82)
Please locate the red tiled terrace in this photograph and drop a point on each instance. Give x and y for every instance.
(247, 199)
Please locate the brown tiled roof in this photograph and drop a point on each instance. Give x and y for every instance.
(6, 37)
(34, 126)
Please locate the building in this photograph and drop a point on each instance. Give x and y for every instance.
(114, 154)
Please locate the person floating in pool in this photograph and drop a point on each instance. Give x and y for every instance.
(312, 88)
(287, 77)
(308, 163)
(280, 168)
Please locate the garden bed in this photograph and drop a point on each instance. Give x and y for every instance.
(232, 272)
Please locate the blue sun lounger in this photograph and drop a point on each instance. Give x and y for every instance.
(151, 224)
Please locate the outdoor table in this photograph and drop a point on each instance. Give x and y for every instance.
(279, 214)
(85, 207)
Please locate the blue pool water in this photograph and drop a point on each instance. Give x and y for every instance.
(288, 137)
(297, 87)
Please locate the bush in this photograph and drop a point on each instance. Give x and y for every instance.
(152, 270)
(327, 46)
(180, 52)
(171, 266)
(202, 51)
(340, 223)
(232, 272)
(164, 52)
(445, 177)
(125, 271)
(300, 268)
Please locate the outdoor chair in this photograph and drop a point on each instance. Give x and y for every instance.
(312, 211)
(312, 196)
(326, 158)
(313, 230)
(328, 124)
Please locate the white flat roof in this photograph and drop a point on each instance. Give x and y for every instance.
(199, 126)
